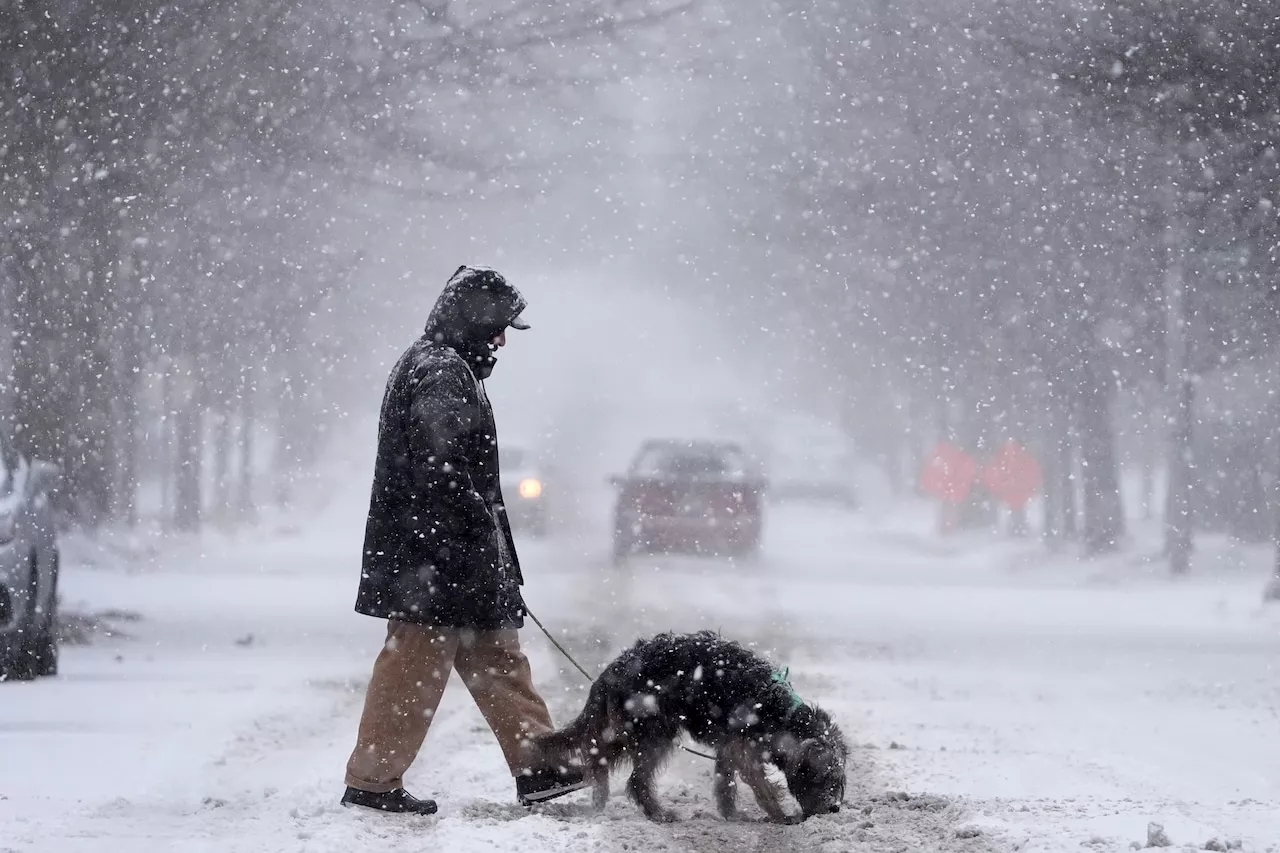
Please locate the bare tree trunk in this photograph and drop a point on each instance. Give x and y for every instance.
(1059, 476)
(94, 382)
(909, 453)
(223, 436)
(187, 492)
(1067, 476)
(1051, 461)
(975, 432)
(1179, 543)
(8, 337)
(167, 445)
(1272, 591)
(1103, 506)
(1148, 452)
(248, 424)
(282, 451)
(138, 344)
(1016, 425)
(1178, 519)
(125, 492)
(188, 428)
(1051, 530)
(129, 464)
(126, 365)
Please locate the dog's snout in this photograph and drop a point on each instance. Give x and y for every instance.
(835, 807)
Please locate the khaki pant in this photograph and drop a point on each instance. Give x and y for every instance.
(408, 680)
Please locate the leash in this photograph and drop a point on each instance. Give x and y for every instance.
(586, 674)
(559, 647)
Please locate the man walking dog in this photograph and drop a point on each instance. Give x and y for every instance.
(439, 561)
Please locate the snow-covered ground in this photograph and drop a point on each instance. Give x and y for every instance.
(1022, 702)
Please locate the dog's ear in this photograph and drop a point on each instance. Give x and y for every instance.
(823, 720)
(832, 735)
(781, 748)
(791, 753)
(809, 748)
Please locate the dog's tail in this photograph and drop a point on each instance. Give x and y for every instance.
(585, 732)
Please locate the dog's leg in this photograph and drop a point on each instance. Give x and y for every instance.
(649, 757)
(769, 795)
(726, 785)
(598, 769)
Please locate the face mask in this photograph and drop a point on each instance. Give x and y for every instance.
(482, 364)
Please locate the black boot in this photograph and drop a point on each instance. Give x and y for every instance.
(547, 783)
(399, 801)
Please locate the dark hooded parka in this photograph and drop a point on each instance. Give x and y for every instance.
(438, 547)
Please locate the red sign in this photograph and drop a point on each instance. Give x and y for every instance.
(1013, 475)
(949, 473)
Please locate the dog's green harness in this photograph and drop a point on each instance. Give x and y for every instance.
(783, 678)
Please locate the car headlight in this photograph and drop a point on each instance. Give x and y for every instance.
(530, 488)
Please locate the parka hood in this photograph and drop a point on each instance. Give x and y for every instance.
(476, 305)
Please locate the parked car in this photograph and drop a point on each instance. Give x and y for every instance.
(28, 567)
(701, 497)
(528, 487)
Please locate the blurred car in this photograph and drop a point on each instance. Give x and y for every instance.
(702, 497)
(28, 567)
(813, 463)
(526, 489)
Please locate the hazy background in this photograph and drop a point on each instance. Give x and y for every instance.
(915, 220)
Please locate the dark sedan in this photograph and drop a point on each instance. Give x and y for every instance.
(698, 497)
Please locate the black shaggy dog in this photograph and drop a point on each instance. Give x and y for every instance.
(725, 697)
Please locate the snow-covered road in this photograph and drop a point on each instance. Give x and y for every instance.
(1024, 703)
